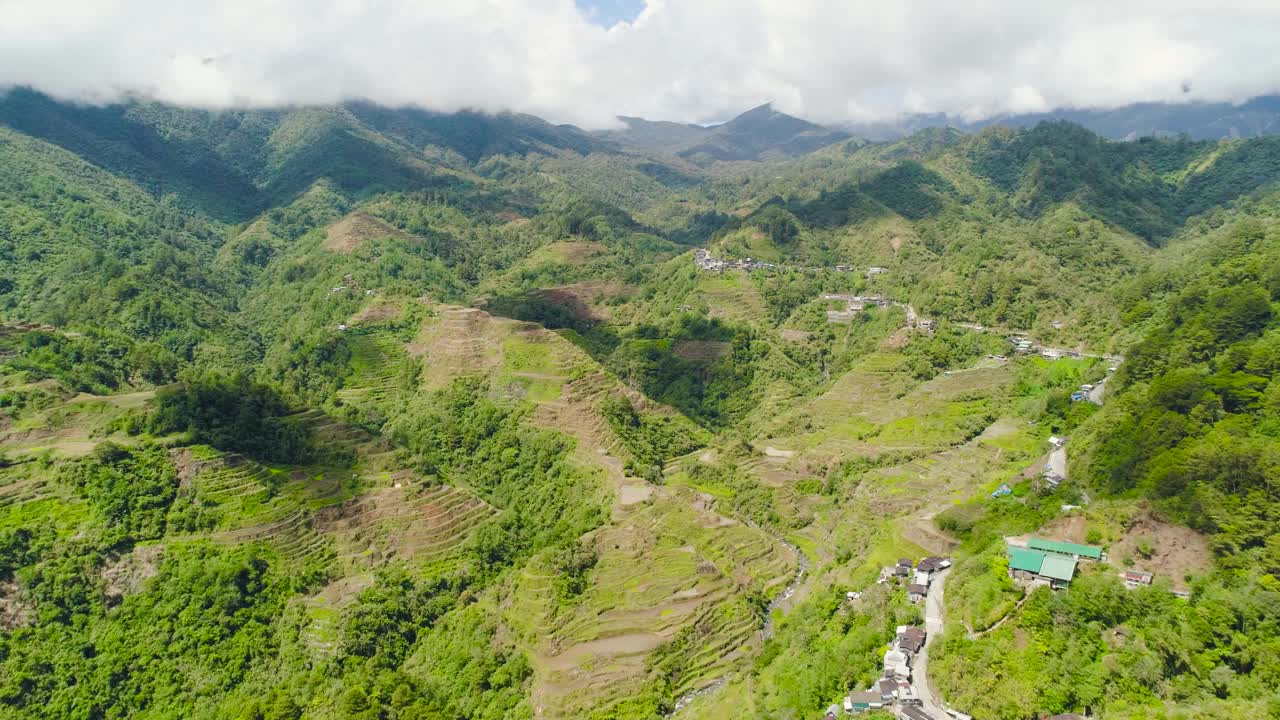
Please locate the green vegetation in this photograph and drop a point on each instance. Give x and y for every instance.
(357, 412)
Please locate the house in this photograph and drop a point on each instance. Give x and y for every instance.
(900, 571)
(917, 592)
(1003, 490)
(933, 564)
(911, 639)
(1075, 550)
(833, 712)
(922, 577)
(872, 271)
(929, 325)
(1051, 353)
(1031, 565)
(1077, 396)
(888, 689)
(896, 664)
(1053, 479)
(1056, 441)
(911, 712)
(860, 702)
(906, 563)
(1134, 578)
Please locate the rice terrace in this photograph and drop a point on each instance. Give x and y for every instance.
(523, 361)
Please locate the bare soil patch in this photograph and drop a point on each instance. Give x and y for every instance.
(375, 313)
(795, 335)
(1072, 528)
(127, 575)
(1176, 551)
(351, 231)
(188, 466)
(15, 610)
(633, 493)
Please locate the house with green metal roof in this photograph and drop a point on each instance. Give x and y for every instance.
(1031, 565)
(1024, 560)
(1059, 568)
(1091, 552)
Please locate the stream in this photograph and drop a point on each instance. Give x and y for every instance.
(766, 632)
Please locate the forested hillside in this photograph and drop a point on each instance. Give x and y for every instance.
(382, 413)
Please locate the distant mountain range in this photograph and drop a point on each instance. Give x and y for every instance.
(1199, 120)
(761, 133)
(764, 133)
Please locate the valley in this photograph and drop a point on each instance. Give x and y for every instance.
(380, 413)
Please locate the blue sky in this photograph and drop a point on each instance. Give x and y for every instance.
(608, 12)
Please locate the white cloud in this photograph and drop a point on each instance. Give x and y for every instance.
(829, 60)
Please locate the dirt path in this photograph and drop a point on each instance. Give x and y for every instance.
(1014, 611)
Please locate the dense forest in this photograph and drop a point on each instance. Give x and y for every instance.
(382, 413)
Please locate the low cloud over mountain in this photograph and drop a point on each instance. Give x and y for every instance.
(831, 62)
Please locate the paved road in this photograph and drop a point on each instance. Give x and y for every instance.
(1058, 462)
(930, 702)
(1095, 395)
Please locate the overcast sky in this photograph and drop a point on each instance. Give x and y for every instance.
(696, 60)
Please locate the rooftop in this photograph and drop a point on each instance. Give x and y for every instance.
(864, 697)
(1065, 548)
(1058, 567)
(1025, 560)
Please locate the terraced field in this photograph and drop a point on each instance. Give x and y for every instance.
(407, 521)
(876, 407)
(665, 566)
(460, 341)
(374, 455)
(377, 360)
(256, 503)
(730, 296)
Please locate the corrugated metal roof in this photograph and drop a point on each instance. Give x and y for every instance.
(1065, 548)
(1058, 567)
(1023, 559)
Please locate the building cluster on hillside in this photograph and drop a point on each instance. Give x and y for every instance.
(853, 304)
(893, 688)
(917, 577)
(1036, 561)
(703, 260)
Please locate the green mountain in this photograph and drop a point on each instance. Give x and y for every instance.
(384, 413)
(761, 133)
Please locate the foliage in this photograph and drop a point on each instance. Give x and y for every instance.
(230, 413)
(1102, 647)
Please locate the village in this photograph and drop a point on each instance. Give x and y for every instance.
(903, 688)
(704, 261)
(1022, 343)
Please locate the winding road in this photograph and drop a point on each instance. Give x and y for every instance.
(933, 613)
